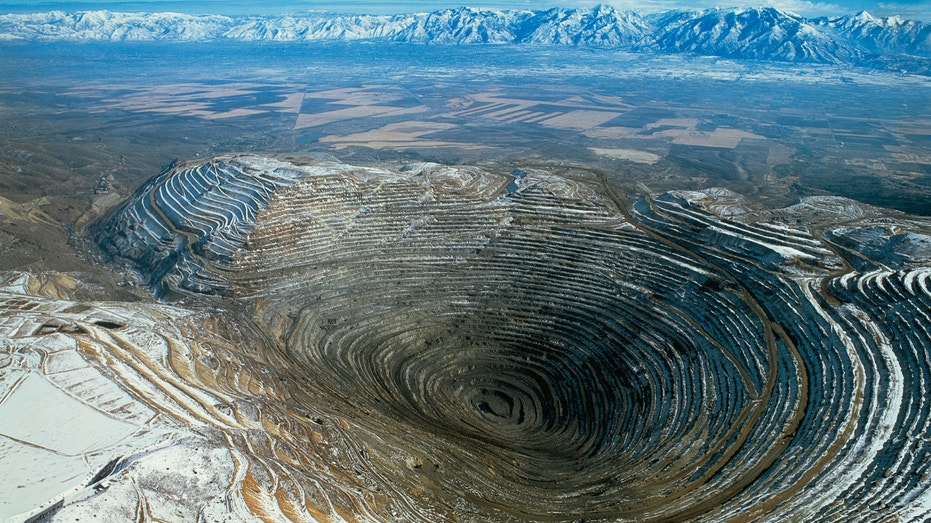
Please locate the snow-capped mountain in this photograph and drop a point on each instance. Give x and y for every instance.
(104, 25)
(767, 33)
(882, 35)
(314, 28)
(464, 25)
(761, 34)
(601, 26)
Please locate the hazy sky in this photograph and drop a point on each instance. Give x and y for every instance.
(920, 9)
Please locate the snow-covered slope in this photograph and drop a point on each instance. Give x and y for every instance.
(767, 33)
(882, 35)
(761, 34)
(601, 26)
(462, 26)
(105, 25)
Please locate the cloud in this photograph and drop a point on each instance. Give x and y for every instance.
(919, 10)
(807, 8)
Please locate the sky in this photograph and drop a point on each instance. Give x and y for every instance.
(916, 9)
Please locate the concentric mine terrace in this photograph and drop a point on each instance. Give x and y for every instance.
(447, 344)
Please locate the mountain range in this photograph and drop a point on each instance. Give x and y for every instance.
(759, 33)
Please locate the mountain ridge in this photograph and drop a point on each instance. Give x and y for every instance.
(756, 33)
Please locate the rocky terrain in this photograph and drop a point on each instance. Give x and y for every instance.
(444, 343)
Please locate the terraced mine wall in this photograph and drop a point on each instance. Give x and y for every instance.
(446, 344)
(202, 211)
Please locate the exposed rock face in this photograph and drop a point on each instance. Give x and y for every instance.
(444, 344)
(199, 212)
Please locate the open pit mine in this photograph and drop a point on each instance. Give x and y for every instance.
(439, 343)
